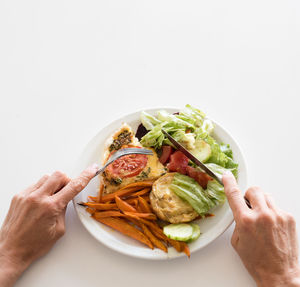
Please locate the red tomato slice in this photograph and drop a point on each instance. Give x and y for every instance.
(166, 153)
(178, 162)
(127, 166)
(201, 177)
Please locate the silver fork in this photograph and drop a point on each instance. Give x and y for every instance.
(122, 152)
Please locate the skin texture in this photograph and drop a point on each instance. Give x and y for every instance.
(35, 221)
(264, 237)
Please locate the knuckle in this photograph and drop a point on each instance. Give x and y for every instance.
(17, 197)
(87, 175)
(78, 184)
(234, 191)
(32, 199)
(45, 177)
(246, 221)
(60, 231)
(290, 218)
(281, 218)
(252, 191)
(60, 175)
(266, 218)
(59, 204)
(48, 206)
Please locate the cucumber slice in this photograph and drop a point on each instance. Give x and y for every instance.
(180, 231)
(196, 232)
(202, 150)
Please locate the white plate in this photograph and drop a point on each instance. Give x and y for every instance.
(211, 227)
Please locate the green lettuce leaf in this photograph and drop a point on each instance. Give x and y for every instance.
(223, 159)
(233, 166)
(153, 138)
(217, 169)
(217, 156)
(192, 115)
(201, 200)
(216, 192)
(149, 121)
(225, 148)
(190, 191)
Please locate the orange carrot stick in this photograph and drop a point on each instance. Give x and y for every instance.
(90, 210)
(140, 184)
(104, 214)
(156, 242)
(127, 229)
(132, 200)
(150, 216)
(185, 249)
(120, 193)
(93, 198)
(126, 190)
(101, 206)
(157, 230)
(123, 205)
(138, 206)
(144, 206)
(141, 192)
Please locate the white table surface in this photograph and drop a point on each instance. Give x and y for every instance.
(67, 68)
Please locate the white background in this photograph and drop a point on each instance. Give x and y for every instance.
(67, 68)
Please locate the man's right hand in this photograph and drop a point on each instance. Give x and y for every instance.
(264, 237)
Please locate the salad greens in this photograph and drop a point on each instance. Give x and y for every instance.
(202, 200)
(191, 128)
(194, 131)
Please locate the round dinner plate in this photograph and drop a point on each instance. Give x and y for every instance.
(211, 227)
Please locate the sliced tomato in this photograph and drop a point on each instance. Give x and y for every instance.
(127, 166)
(201, 177)
(166, 153)
(178, 162)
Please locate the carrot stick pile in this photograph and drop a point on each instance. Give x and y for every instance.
(128, 211)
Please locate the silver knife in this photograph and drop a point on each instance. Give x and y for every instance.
(197, 162)
(192, 158)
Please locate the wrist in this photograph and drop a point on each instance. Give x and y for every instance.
(288, 279)
(11, 267)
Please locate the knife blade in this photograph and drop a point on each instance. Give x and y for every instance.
(192, 157)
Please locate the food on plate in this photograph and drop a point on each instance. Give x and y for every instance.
(167, 205)
(157, 199)
(130, 168)
(179, 231)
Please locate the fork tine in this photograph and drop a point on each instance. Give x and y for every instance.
(135, 150)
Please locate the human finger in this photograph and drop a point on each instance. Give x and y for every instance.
(76, 185)
(256, 198)
(234, 196)
(54, 183)
(270, 201)
(35, 186)
(41, 181)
